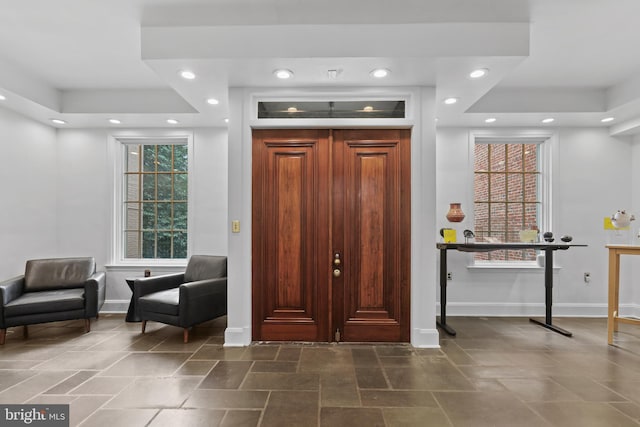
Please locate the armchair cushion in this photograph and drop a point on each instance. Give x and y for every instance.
(46, 302)
(165, 302)
(58, 273)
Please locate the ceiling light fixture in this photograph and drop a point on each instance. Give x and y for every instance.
(114, 121)
(450, 101)
(186, 74)
(490, 120)
(548, 120)
(480, 72)
(2, 97)
(172, 121)
(58, 121)
(379, 73)
(607, 119)
(368, 109)
(292, 110)
(283, 73)
(226, 120)
(213, 101)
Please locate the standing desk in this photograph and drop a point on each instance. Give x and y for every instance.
(548, 248)
(614, 288)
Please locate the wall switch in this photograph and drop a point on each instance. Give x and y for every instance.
(587, 277)
(235, 226)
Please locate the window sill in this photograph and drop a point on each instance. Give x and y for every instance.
(531, 267)
(147, 264)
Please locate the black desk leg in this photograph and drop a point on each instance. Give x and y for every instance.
(548, 295)
(443, 295)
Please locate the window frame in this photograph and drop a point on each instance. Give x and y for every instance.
(547, 146)
(119, 146)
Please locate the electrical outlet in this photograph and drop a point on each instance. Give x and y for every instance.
(587, 277)
(449, 276)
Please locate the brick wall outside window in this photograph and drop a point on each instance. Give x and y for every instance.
(506, 196)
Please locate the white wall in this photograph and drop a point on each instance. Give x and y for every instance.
(56, 196)
(592, 178)
(28, 192)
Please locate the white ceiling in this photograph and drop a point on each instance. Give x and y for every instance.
(86, 61)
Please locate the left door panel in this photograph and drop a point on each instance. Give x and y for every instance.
(290, 235)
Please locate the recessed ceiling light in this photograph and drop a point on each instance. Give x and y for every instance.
(226, 120)
(283, 74)
(2, 97)
(490, 120)
(172, 121)
(379, 73)
(186, 74)
(607, 119)
(450, 101)
(114, 121)
(213, 101)
(58, 121)
(480, 72)
(548, 120)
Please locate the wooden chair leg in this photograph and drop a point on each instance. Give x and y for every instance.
(185, 335)
(144, 325)
(3, 336)
(87, 325)
(25, 332)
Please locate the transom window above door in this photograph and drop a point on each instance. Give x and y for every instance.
(331, 109)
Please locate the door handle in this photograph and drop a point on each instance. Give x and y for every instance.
(336, 264)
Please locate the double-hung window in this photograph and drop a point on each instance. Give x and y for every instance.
(511, 194)
(153, 199)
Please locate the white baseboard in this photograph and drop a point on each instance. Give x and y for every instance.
(115, 306)
(237, 337)
(535, 309)
(425, 338)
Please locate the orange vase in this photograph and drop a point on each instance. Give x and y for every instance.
(455, 213)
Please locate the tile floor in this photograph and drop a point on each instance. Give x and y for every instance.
(496, 372)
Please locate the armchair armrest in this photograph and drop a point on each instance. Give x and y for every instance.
(9, 290)
(146, 285)
(202, 300)
(94, 293)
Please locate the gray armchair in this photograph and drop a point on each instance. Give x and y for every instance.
(184, 299)
(52, 290)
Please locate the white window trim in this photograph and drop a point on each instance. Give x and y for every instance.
(117, 143)
(548, 147)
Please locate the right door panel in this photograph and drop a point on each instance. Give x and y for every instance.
(371, 234)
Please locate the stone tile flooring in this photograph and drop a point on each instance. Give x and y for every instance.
(496, 372)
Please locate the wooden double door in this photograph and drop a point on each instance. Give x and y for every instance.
(331, 235)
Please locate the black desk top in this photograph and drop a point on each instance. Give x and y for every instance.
(485, 247)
